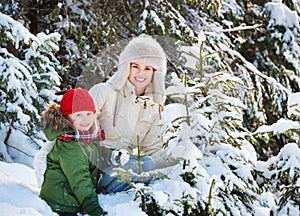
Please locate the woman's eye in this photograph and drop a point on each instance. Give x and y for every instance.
(149, 69)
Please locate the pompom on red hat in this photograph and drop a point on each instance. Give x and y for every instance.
(77, 100)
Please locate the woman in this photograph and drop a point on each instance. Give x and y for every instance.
(130, 103)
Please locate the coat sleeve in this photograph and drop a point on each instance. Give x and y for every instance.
(105, 154)
(75, 165)
(163, 159)
(153, 144)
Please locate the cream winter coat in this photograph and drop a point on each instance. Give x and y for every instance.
(123, 115)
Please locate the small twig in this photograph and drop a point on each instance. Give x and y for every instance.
(188, 121)
(9, 130)
(139, 156)
(210, 197)
(20, 151)
(241, 27)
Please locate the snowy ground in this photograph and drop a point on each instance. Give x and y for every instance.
(20, 191)
(19, 195)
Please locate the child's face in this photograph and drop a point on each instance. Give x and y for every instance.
(83, 120)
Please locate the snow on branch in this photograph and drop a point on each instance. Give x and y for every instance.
(15, 31)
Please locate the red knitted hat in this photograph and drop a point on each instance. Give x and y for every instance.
(76, 100)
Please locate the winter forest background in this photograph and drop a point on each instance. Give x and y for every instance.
(233, 90)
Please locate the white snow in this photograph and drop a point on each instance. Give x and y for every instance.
(19, 191)
(19, 187)
(280, 126)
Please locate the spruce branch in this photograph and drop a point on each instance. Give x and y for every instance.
(10, 129)
(209, 207)
(188, 121)
(139, 157)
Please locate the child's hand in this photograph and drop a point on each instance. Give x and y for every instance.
(119, 157)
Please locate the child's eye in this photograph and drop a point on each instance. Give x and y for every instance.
(78, 115)
(89, 114)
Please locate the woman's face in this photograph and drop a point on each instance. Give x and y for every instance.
(140, 76)
(83, 120)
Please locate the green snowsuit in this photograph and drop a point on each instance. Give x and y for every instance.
(72, 174)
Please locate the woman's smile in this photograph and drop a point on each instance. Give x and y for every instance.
(140, 76)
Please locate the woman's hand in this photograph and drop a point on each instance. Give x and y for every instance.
(183, 150)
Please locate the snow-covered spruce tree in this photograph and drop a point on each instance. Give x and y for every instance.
(164, 18)
(273, 48)
(281, 176)
(83, 27)
(279, 39)
(28, 80)
(138, 17)
(77, 27)
(282, 172)
(209, 114)
(227, 152)
(286, 168)
(86, 27)
(288, 127)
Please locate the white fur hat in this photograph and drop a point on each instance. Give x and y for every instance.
(148, 51)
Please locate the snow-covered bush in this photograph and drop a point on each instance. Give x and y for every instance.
(281, 173)
(219, 179)
(29, 79)
(281, 176)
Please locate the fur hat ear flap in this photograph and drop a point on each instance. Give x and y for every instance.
(159, 89)
(53, 118)
(119, 79)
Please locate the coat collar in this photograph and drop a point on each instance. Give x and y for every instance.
(129, 91)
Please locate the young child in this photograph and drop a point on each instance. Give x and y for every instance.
(75, 160)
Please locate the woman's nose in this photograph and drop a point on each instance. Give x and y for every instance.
(141, 70)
